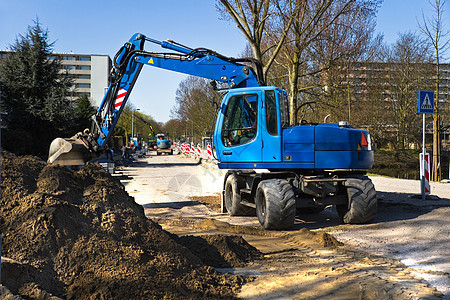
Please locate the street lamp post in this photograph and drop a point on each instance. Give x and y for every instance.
(132, 123)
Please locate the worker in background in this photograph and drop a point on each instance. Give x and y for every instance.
(109, 153)
(124, 151)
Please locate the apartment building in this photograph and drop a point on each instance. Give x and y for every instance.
(88, 72)
(363, 75)
(375, 80)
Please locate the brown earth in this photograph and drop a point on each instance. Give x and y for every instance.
(302, 264)
(79, 235)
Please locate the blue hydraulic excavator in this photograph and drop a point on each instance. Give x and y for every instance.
(274, 169)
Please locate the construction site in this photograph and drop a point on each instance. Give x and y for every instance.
(296, 169)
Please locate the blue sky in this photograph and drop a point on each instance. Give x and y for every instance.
(101, 27)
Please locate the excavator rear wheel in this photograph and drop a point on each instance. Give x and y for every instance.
(362, 201)
(232, 196)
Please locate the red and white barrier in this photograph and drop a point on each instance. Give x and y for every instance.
(209, 151)
(425, 171)
(192, 149)
(199, 151)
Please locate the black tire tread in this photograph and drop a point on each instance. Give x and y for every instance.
(234, 207)
(362, 199)
(280, 204)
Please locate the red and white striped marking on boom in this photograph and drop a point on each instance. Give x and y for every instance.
(119, 99)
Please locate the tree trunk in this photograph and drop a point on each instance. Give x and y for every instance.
(436, 149)
(436, 138)
(293, 89)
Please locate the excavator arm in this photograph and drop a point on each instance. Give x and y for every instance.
(146, 123)
(127, 64)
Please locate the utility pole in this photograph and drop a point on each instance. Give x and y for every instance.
(132, 122)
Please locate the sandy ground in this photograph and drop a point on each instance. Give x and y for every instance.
(414, 231)
(402, 254)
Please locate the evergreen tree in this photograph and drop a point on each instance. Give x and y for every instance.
(83, 112)
(34, 95)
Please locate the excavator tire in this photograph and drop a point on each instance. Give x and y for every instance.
(233, 184)
(362, 201)
(275, 204)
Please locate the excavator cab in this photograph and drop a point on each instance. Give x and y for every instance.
(248, 128)
(253, 132)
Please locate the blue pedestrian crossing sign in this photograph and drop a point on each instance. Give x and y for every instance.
(426, 102)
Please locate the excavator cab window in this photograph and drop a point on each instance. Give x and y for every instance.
(240, 120)
(271, 112)
(284, 109)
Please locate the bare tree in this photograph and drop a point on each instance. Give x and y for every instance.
(409, 63)
(341, 46)
(175, 128)
(433, 29)
(194, 107)
(251, 17)
(284, 31)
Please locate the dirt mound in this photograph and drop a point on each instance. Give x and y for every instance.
(322, 238)
(79, 235)
(327, 240)
(213, 224)
(221, 251)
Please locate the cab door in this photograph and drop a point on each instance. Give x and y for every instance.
(237, 134)
(271, 131)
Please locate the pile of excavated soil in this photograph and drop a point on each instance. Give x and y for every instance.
(79, 235)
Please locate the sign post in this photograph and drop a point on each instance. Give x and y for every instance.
(425, 106)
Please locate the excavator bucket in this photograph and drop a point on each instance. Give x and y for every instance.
(68, 152)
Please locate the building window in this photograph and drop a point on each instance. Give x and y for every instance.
(68, 67)
(84, 58)
(83, 94)
(68, 58)
(84, 76)
(86, 68)
(84, 85)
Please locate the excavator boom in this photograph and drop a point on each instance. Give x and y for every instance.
(127, 65)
